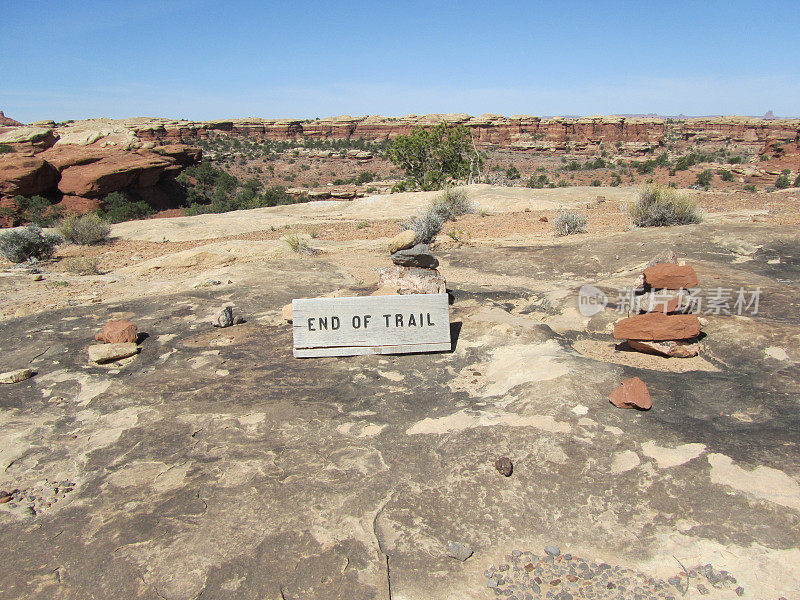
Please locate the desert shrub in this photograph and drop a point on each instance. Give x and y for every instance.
(512, 172)
(538, 182)
(568, 223)
(682, 163)
(81, 265)
(597, 183)
(704, 179)
(796, 182)
(117, 208)
(400, 187)
(36, 210)
(364, 177)
(446, 207)
(29, 243)
(85, 230)
(616, 179)
(782, 182)
(452, 204)
(658, 206)
(725, 175)
(750, 188)
(297, 243)
(597, 163)
(6, 149)
(427, 226)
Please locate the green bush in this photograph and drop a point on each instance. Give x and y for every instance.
(364, 177)
(6, 149)
(782, 182)
(117, 208)
(538, 182)
(568, 223)
(86, 230)
(597, 183)
(512, 172)
(432, 157)
(796, 182)
(725, 175)
(750, 188)
(704, 178)
(658, 206)
(29, 243)
(36, 210)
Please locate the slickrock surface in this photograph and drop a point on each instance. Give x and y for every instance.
(214, 465)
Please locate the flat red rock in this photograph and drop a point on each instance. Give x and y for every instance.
(632, 393)
(657, 327)
(670, 277)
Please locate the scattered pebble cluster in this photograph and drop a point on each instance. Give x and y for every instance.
(556, 576)
(33, 501)
(702, 576)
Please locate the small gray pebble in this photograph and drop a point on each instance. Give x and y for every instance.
(503, 567)
(739, 591)
(459, 550)
(492, 583)
(516, 554)
(702, 589)
(552, 550)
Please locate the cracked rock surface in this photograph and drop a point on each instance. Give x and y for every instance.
(214, 465)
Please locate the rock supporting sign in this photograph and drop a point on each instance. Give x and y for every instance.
(371, 325)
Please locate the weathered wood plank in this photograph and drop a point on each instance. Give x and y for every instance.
(371, 325)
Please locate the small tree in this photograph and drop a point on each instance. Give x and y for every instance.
(432, 157)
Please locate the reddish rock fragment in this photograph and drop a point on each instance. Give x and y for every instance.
(632, 393)
(674, 349)
(504, 466)
(671, 277)
(118, 332)
(657, 327)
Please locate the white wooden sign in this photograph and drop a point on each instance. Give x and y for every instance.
(371, 325)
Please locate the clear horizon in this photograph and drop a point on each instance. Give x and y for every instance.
(201, 60)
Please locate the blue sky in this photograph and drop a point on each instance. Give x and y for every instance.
(203, 60)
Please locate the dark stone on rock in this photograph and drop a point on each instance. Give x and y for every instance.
(504, 466)
(223, 318)
(416, 256)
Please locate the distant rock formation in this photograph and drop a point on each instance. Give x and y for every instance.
(79, 162)
(7, 122)
(76, 167)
